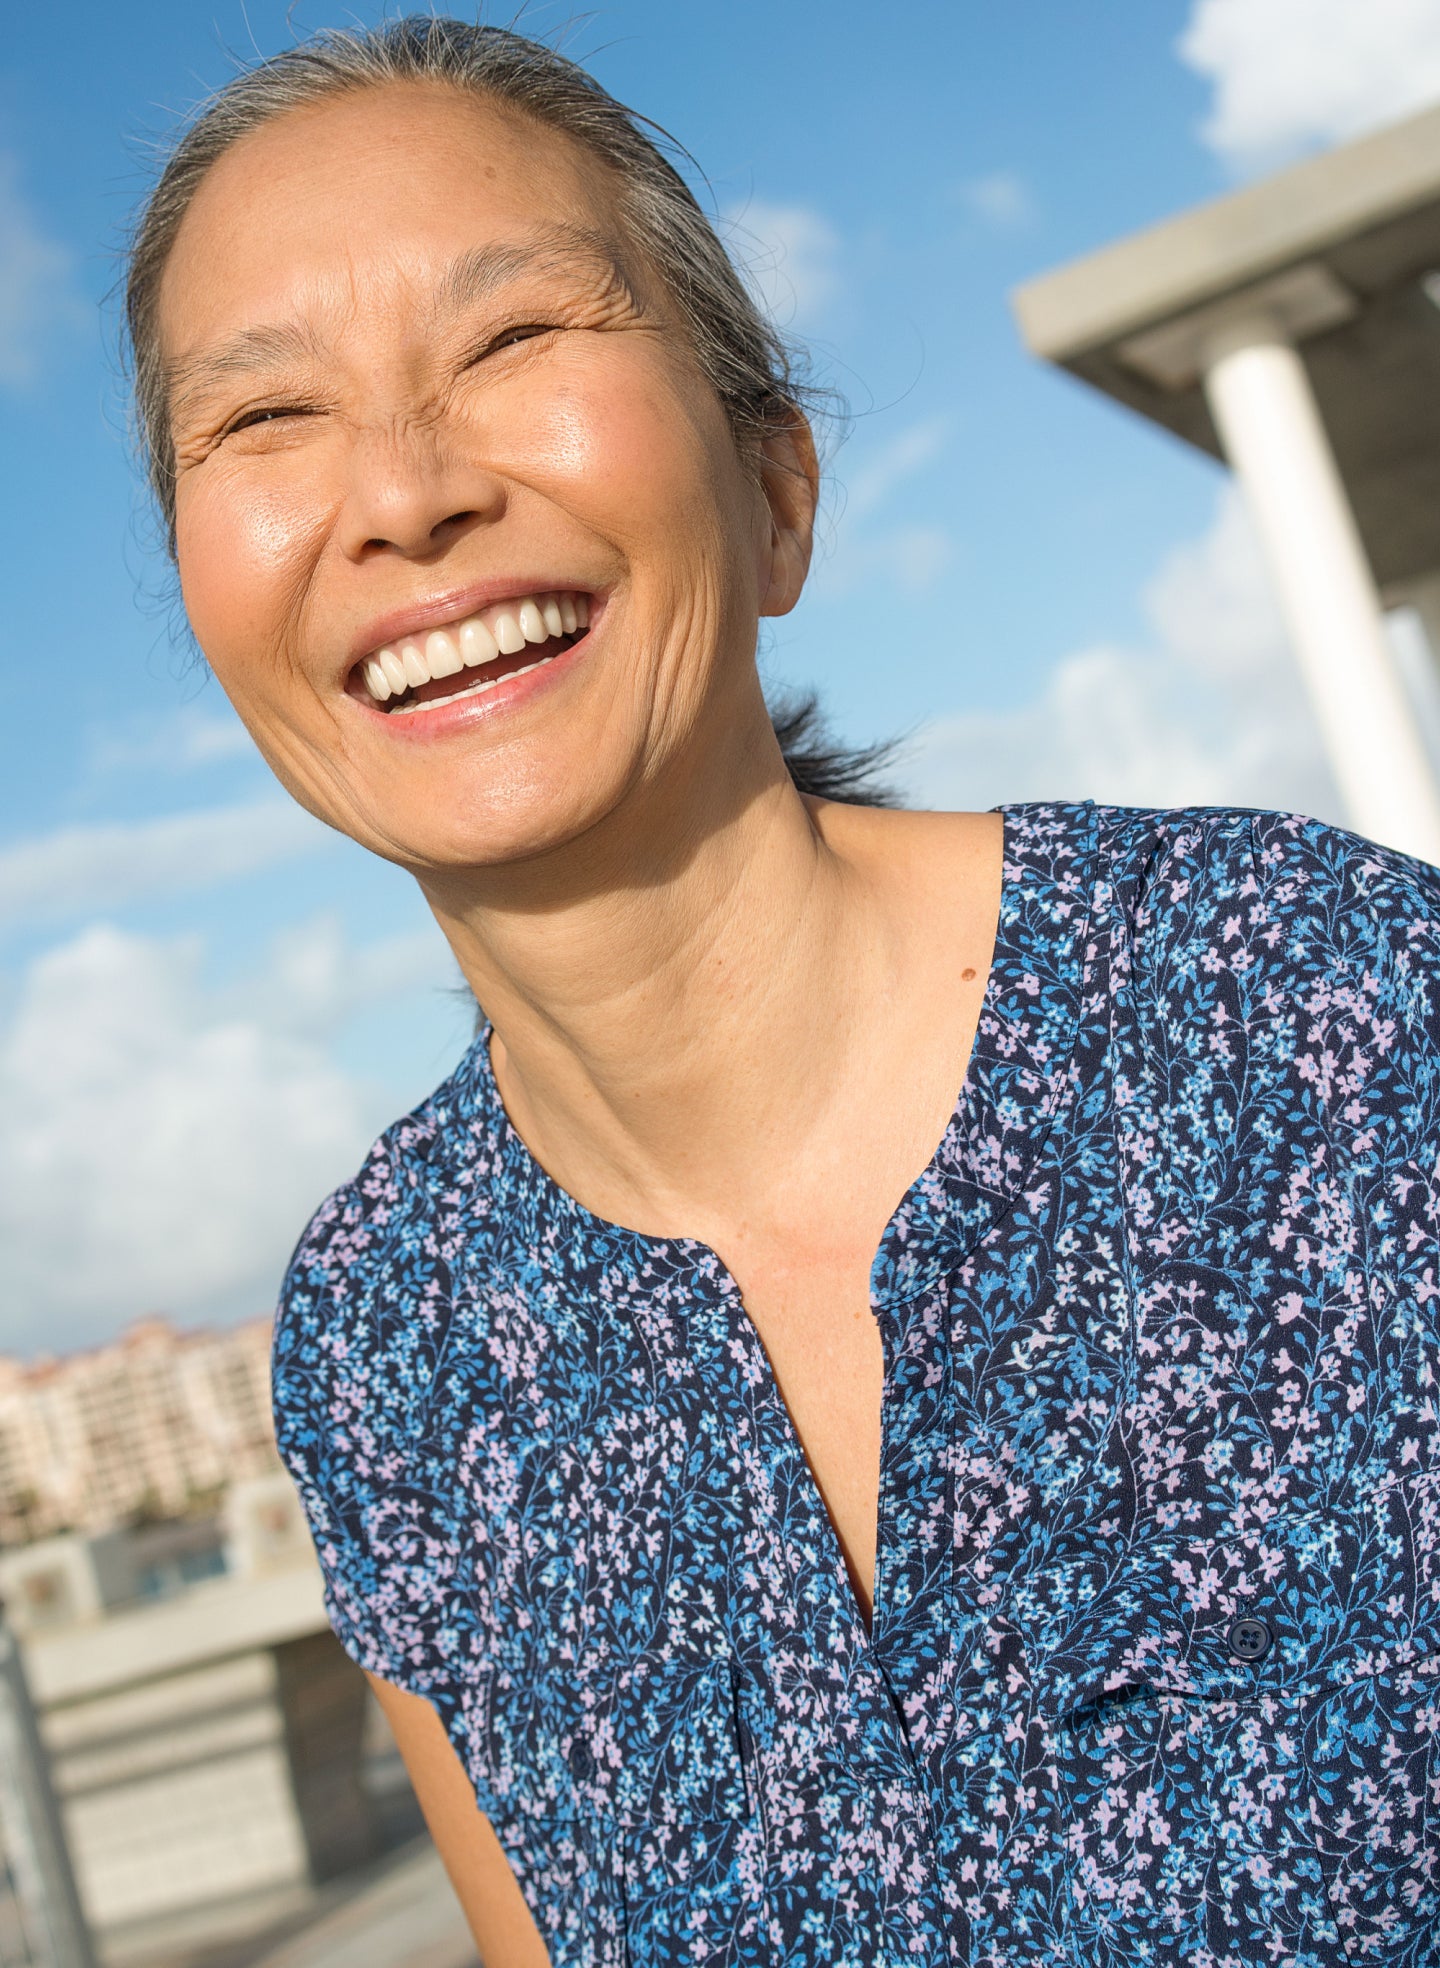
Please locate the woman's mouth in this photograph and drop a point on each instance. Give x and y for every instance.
(468, 657)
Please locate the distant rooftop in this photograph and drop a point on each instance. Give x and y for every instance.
(1345, 249)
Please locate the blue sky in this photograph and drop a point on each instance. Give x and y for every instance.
(207, 1005)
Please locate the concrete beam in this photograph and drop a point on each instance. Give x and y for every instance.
(1232, 242)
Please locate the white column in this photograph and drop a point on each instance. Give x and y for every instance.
(1269, 424)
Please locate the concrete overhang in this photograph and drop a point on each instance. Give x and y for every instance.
(1344, 251)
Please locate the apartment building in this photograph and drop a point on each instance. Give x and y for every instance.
(145, 1426)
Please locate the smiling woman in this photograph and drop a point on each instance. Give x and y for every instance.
(885, 1410)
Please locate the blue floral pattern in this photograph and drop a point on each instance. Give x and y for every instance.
(1154, 1674)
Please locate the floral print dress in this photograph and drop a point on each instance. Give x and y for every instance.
(1152, 1676)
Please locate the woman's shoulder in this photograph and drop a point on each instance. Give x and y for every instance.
(1279, 891)
(385, 1198)
(1265, 961)
(1163, 858)
(369, 1282)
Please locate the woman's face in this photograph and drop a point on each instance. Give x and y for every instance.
(418, 381)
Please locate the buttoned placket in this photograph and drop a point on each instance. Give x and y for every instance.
(873, 1645)
(916, 1265)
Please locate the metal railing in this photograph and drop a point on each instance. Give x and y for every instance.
(42, 1923)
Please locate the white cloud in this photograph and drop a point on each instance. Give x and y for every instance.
(162, 1142)
(107, 864)
(1211, 712)
(791, 256)
(881, 472)
(37, 290)
(911, 555)
(1292, 75)
(315, 977)
(182, 742)
(910, 558)
(1000, 199)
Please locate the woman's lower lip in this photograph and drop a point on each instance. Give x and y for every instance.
(439, 721)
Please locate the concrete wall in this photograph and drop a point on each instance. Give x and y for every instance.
(215, 1746)
(177, 1792)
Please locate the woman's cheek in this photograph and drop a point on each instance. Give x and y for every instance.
(243, 549)
(626, 454)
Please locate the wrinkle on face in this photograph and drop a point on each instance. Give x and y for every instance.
(191, 379)
(560, 250)
(209, 384)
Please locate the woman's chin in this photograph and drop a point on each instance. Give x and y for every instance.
(468, 841)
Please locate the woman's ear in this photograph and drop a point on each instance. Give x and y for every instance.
(790, 480)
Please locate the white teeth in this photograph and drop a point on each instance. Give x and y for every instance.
(502, 630)
(509, 634)
(477, 645)
(442, 658)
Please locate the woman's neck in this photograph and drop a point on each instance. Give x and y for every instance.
(656, 1035)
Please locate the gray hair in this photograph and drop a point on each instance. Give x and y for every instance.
(740, 352)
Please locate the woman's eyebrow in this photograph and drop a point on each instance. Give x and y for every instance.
(188, 377)
(482, 271)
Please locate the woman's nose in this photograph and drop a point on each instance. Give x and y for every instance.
(410, 494)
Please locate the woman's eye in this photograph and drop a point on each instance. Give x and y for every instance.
(512, 337)
(269, 413)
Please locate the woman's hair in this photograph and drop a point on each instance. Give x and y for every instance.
(743, 356)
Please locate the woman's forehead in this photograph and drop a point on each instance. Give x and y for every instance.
(377, 183)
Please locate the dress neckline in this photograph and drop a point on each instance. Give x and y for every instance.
(1018, 1067)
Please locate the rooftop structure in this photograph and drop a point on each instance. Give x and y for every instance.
(1293, 329)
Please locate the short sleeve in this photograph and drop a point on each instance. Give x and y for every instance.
(316, 1433)
(344, 1378)
(1357, 928)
